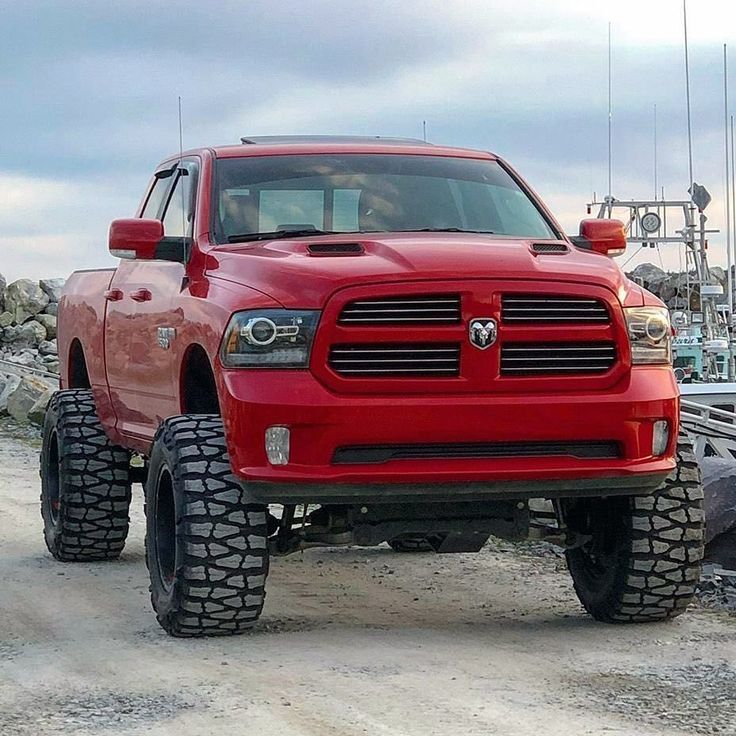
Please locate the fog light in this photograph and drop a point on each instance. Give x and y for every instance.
(660, 437)
(277, 445)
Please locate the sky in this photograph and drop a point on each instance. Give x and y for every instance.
(89, 98)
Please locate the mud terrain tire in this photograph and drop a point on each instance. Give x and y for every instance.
(85, 482)
(643, 555)
(206, 547)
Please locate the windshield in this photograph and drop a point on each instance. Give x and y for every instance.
(280, 195)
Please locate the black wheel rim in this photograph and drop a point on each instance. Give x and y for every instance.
(165, 530)
(52, 491)
(600, 521)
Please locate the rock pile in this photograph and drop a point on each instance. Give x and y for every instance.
(28, 311)
(676, 289)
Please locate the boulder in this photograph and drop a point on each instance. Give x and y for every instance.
(48, 321)
(10, 334)
(31, 334)
(24, 299)
(37, 413)
(6, 319)
(25, 396)
(25, 358)
(48, 347)
(3, 284)
(52, 308)
(647, 273)
(52, 288)
(8, 383)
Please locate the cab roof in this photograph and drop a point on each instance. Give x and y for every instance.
(314, 144)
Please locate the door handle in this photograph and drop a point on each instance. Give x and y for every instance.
(113, 295)
(141, 295)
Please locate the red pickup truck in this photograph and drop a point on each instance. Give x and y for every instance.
(320, 341)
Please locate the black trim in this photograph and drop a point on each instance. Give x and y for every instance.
(173, 248)
(331, 492)
(375, 454)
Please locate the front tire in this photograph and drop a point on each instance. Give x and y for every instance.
(206, 547)
(638, 558)
(85, 482)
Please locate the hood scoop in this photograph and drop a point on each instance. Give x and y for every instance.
(546, 249)
(335, 249)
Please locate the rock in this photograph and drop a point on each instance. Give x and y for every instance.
(719, 274)
(31, 334)
(37, 413)
(25, 358)
(48, 321)
(6, 319)
(25, 396)
(3, 284)
(48, 347)
(8, 383)
(52, 366)
(10, 334)
(52, 308)
(52, 288)
(24, 299)
(647, 273)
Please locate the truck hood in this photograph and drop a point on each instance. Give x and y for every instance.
(288, 272)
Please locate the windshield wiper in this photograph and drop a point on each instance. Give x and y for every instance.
(277, 234)
(444, 230)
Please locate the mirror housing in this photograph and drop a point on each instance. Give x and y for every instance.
(135, 238)
(602, 236)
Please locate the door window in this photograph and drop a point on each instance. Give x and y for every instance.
(179, 215)
(156, 197)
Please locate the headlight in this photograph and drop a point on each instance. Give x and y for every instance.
(650, 335)
(269, 338)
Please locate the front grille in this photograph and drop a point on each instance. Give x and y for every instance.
(433, 309)
(374, 454)
(549, 359)
(532, 309)
(385, 360)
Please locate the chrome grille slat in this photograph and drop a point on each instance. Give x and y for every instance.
(441, 309)
(533, 309)
(385, 360)
(528, 359)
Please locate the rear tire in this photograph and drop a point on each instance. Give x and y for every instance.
(206, 547)
(85, 482)
(640, 556)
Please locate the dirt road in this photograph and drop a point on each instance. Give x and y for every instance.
(353, 641)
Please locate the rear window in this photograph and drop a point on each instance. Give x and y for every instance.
(371, 193)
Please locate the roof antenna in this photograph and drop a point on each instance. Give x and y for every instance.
(687, 96)
(656, 186)
(610, 115)
(424, 130)
(182, 172)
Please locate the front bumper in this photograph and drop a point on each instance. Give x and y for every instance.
(322, 421)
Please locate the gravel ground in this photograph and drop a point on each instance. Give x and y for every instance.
(352, 641)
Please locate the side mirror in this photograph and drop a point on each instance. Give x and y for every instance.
(135, 238)
(602, 236)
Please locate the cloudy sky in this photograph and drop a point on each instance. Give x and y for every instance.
(89, 97)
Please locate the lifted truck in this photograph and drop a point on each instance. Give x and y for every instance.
(355, 341)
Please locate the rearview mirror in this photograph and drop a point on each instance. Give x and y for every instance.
(602, 236)
(135, 238)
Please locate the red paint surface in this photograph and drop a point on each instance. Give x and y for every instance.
(137, 384)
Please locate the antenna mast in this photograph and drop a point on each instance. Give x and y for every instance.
(610, 114)
(687, 95)
(655, 152)
(182, 173)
